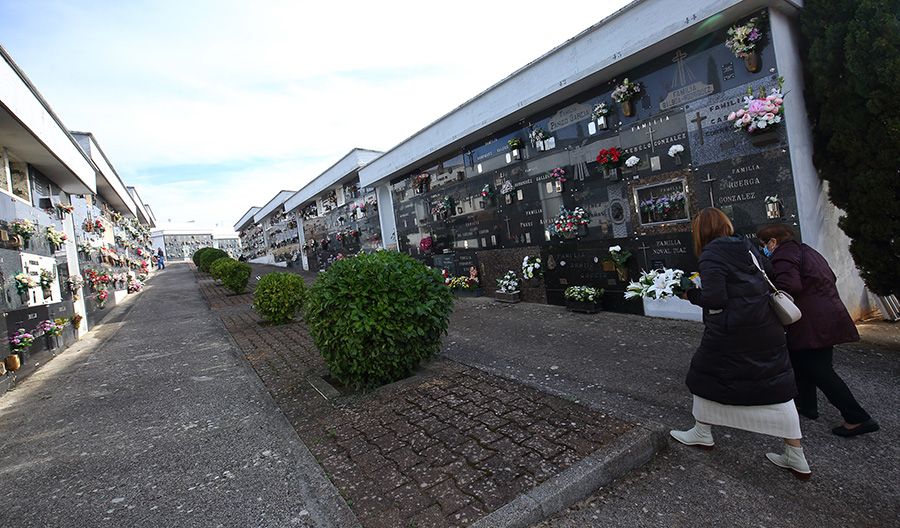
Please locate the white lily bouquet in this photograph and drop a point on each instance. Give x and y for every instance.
(662, 284)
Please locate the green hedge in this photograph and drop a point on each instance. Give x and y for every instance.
(279, 296)
(199, 253)
(210, 256)
(218, 267)
(235, 275)
(375, 317)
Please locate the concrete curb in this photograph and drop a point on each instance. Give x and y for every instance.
(630, 451)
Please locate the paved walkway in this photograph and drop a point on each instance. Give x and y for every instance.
(635, 367)
(154, 420)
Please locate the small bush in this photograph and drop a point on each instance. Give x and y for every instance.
(279, 296)
(217, 268)
(209, 257)
(235, 275)
(197, 254)
(375, 317)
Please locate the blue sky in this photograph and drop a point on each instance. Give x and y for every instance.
(209, 107)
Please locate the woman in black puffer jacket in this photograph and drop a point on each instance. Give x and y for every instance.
(741, 374)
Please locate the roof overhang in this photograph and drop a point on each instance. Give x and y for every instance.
(273, 205)
(638, 32)
(143, 212)
(343, 171)
(248, 216)
(31, 131)
(109, 184)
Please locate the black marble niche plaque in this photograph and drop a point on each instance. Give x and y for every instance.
(673, 250)
(650, 141)
(712, 137)
(739, 186)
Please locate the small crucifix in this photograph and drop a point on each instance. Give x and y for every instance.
(650, 133)
(709, 180)
(699, 121)
(508, 232)
(644, 247)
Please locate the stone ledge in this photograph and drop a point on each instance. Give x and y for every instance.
(629, 451)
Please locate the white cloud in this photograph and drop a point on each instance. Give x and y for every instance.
(297, 84)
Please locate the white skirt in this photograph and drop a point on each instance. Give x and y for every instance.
(777, 419)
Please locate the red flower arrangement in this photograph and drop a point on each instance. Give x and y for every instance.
(610, 158)
(425, 244)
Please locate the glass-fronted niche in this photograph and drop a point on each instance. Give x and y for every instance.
(637, 172)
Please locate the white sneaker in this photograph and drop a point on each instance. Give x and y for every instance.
(700, 435)
(792, 459)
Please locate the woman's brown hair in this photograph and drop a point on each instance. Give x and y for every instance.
(780, 232)
(709, 225)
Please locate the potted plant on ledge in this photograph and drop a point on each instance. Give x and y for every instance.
(508, 288)
(514, 145)
(583, 299)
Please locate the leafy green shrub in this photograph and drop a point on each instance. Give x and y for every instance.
(235, 275)
(279, 296)
(209, 257)
(217, 268)
(376, 316)
(199, 253)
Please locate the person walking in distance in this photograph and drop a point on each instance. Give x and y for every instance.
(160, 259)
(740, 375)
(804, 273)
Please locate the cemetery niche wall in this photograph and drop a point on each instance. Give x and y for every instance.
(335, 231)
(636, 170)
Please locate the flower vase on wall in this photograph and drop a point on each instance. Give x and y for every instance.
(13, 362)
(628, 108)
(752, 62)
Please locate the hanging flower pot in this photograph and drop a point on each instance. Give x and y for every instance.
(13, 363)
(752, 62)
(628, 108)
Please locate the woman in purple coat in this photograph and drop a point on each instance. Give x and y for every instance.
(802, 272)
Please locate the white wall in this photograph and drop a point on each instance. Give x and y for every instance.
(386, 216)
(818, 217)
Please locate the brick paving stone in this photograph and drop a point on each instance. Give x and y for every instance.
(449, 497)
(441, 449)
(405, 458)
(474, 452)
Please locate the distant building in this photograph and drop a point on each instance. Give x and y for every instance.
(179, 241)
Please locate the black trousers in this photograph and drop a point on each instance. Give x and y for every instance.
(813, 369)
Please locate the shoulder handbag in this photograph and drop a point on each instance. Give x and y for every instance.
(779, 300)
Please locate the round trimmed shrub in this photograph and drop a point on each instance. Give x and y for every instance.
(209, 257)
(235, 275)
(279, 296)
(217, 268)
(199, 253)
(375, 317)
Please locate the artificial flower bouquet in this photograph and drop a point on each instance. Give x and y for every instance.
(661, 284)
(584, 294)
(509, 283)
(610, 158)
(531, 267)
(760, 112)
(569, 222)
